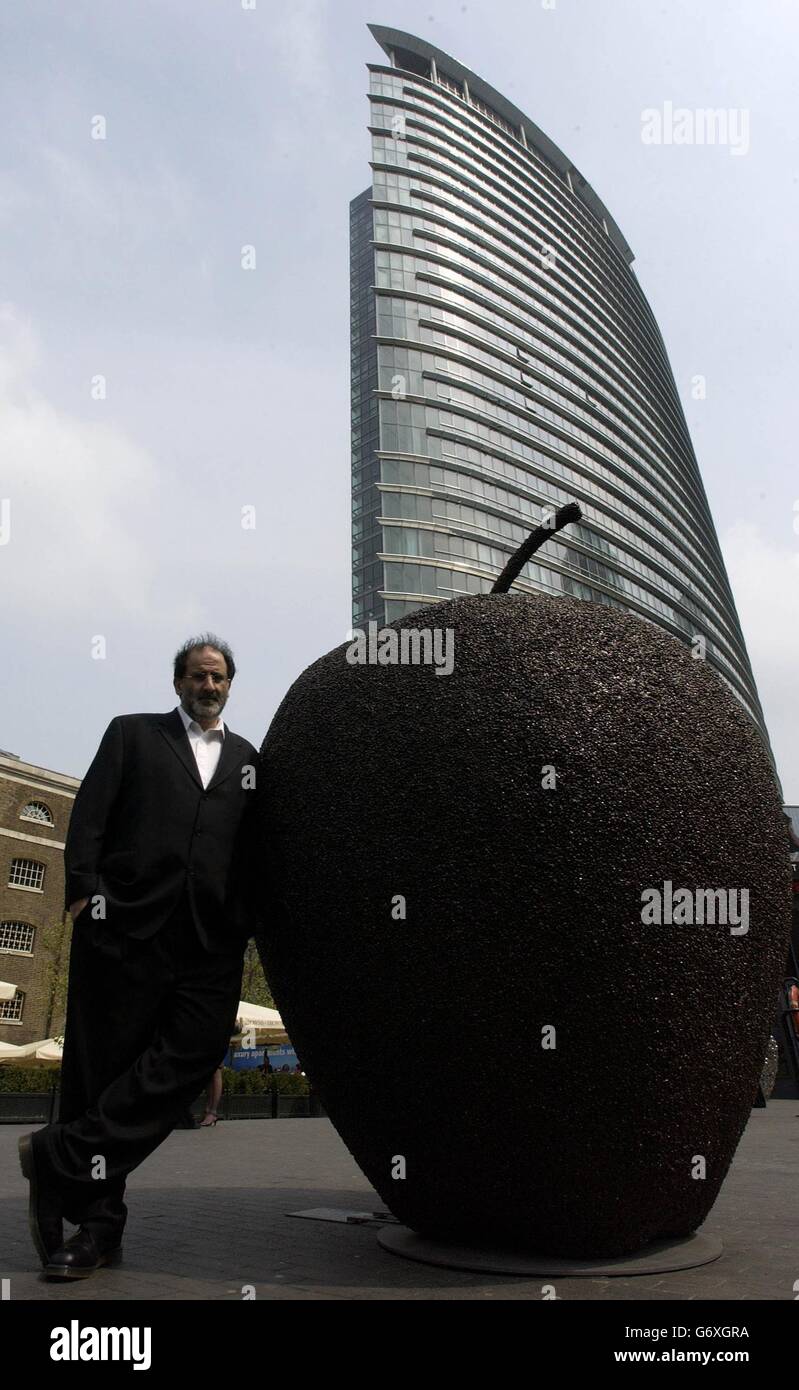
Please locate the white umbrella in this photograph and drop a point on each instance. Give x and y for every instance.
(260, 1023)
(46, 1050)
(254, 1020)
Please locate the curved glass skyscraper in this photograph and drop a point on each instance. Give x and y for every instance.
(505, 361)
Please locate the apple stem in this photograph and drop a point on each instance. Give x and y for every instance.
(536, 538)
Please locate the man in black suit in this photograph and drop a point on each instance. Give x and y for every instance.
(159, 929)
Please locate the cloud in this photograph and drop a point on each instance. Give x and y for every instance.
(101, 196)
(79, 496)
(765, 585)
(297, 32)
(15, 198)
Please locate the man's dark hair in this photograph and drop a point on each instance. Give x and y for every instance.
(206, 639)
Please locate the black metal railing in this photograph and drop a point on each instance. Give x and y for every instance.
(41, 1107)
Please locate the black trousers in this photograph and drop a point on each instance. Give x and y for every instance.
(148, 1022)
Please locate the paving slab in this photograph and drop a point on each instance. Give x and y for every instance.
(209, 1219)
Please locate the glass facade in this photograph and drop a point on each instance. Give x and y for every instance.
(505, 362)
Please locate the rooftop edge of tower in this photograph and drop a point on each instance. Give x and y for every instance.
(390, 39)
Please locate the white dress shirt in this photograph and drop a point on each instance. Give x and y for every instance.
(206, 744)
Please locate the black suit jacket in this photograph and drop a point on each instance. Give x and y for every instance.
(143, 828)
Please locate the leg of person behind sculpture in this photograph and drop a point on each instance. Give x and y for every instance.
(214, 1097)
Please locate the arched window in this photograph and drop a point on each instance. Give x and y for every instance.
(36, 810)
(16, 938)
(11, 1009)
(26, 873)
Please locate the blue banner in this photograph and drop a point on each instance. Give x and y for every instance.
(281, 1057)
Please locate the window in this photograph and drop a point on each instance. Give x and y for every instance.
(26, 873)
(494, 116)
(407, 506)
(451, 83)
(411, 62)
(404, 578)
(399, 608)
(404, 540)
(11, 1009)
(16, 938)
(36, 810)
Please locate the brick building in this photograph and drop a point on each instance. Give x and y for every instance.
(35, 806)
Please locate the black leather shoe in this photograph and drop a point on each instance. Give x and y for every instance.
(81, 1256)
(45, 1213)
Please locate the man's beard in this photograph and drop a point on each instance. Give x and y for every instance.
(199, 707)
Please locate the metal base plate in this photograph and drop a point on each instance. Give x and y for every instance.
(661, 1257)
(345, 1216)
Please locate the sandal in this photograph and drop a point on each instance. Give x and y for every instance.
(210, 1118)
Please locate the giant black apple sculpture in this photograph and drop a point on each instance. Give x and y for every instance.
(480, 893)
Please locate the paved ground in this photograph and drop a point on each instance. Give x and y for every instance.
(208, 1217)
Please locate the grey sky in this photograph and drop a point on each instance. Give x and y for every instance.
(228, 387)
